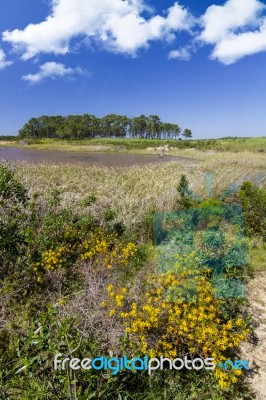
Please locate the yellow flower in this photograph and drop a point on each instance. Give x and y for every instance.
(110, 288)
(237, 372)
(239, 321)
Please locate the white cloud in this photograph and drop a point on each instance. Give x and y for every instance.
(238, 46)
(236, 29)
(3, 62)
(182, 54)
(117, 24)
(51, 70)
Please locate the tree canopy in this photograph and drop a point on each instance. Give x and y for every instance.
(88, 126)
(187, 133)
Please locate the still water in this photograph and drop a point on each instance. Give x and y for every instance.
(107, 159)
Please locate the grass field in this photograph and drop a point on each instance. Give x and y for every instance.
(133, 191)
(141, 145)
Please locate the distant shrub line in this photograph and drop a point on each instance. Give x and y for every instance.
(8, 137)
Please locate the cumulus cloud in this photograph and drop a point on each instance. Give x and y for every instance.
(236, 29)
(3, 62)
(118, 25)
(182, 54)
(51, 70)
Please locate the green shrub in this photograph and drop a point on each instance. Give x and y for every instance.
(253, 201)
(10, 188)
(13, 220)
(187, 199)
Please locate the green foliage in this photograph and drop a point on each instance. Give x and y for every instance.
(110, 126)
(10, 188)
(253, 200)
(39, 328)
(8, 137)
(187, 133)
(89, 200)
(40, 318)
(187, 199)
(257, 251)
(135, 143)
(13, 217)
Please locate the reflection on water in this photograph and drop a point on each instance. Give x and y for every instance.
(106, 159)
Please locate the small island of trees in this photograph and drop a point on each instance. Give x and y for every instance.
(88, 126)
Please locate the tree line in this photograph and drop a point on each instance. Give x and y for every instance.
(88, 126)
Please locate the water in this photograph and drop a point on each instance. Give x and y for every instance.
(107, 159)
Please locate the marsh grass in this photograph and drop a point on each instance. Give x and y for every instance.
(133, 192)
(257, 145)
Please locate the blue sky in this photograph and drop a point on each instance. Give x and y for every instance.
(200, 64)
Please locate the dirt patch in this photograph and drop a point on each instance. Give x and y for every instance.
(255, 352)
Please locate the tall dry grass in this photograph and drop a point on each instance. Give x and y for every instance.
(135, 190)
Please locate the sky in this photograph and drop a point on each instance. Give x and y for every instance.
(200, 64)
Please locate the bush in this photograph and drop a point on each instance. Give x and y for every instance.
(187, 198)
(163, 319)
(13, 220)
(10, 188)
(253, 200)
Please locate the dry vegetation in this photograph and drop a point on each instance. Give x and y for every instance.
(79, 290)
(134, 191)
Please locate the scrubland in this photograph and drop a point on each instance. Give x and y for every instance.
(80, 276)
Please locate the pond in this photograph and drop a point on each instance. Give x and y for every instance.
(107, 159)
